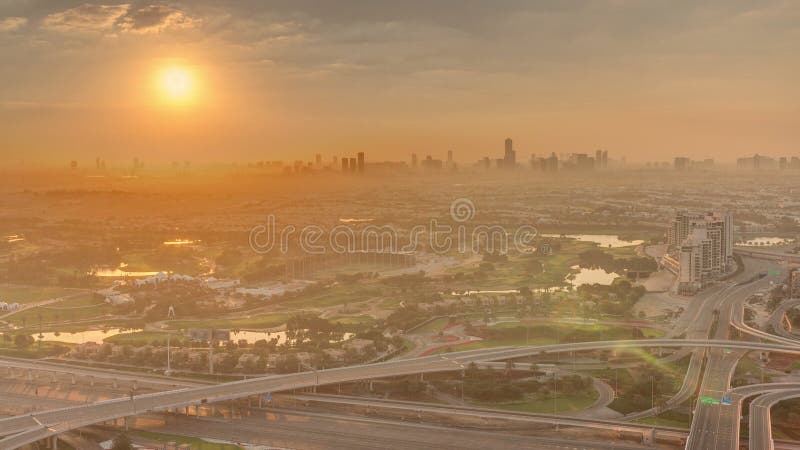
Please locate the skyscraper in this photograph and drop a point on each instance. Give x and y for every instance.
(681, 163)
(510, 156)
(550, 164)
(361, 162)
(414, 162)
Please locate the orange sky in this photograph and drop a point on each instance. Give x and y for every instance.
(286, 79)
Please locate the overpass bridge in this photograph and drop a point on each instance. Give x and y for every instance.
(775, 255)
(24, 430)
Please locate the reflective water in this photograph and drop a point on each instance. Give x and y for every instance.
(82, 337)
(575, 279)
(351, 220)
(252, 336)
(120, 272)
(592, 276)
(604, 240)
(179, 242)
(98, 336)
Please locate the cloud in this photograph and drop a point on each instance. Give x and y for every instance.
(12, 23)
(156, 18)
(86, 17)
(119, 18)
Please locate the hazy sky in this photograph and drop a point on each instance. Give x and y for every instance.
(647, 79)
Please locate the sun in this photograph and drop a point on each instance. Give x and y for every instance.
(176, 83)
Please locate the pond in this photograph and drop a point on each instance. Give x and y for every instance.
(98, 336)
(252, 336)
(355, 220)
(82, 337)
(591, 276)
(119, 272)
(603, 240)
(580, 277)
(179, 242)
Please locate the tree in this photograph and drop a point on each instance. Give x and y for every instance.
(121, 442)
(22, 340)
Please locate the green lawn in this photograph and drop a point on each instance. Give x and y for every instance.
(35, 350)
(256, 322)
(85, 306)
(434, 326)
(32, 294)
(564, 403)
(177, 260)
(490, 343)
(537, 337)
(354, 320)
(513, 273)
(334, 296)
(141, 338)
(195, 443)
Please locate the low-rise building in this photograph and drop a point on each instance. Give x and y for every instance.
(794, 283)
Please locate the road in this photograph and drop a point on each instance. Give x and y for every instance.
(58, 421)
(716, 425)
(416, 408)
(760, 421)
(777, 318)
(96, 372)
(739, 394)
(696, 323)
(290, 429)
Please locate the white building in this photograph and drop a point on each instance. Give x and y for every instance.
(700, 248)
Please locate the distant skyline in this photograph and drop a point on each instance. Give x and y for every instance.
(262, 80)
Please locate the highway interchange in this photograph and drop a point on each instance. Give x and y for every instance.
(702, 330)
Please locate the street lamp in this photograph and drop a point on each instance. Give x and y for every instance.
(170, 315)
(313, 369)
(555, 395)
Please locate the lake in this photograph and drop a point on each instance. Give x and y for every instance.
(82, 337)
(98, 336)
(603, 240)
(591, 276)
(120, 272)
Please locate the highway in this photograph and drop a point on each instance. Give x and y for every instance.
(760, 420)
(778, 317)
(318, 431)
(714, 425)
(737, 321)
(696, 323)
(739, 394)
(58, 421)
(95, 372)
(562, 420)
